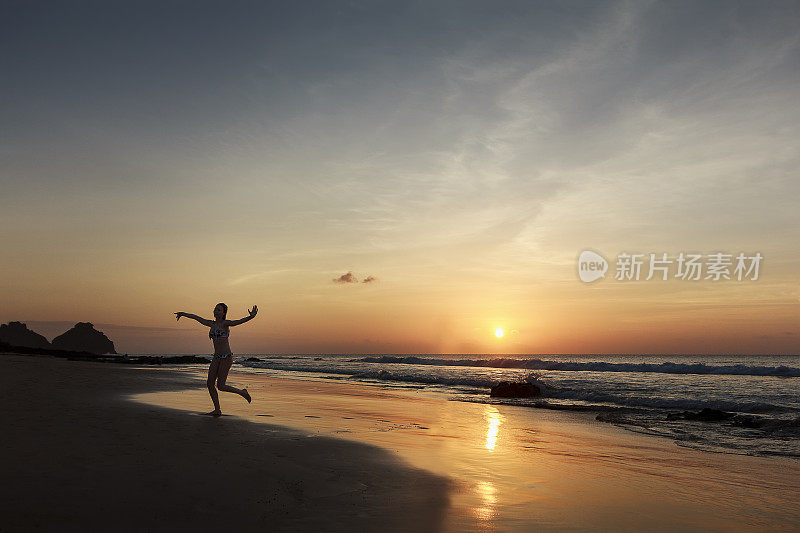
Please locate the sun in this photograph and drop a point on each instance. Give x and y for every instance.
(498, 332)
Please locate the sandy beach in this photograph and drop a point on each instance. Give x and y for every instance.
(520, 469)
(78, 455)
(103, 445)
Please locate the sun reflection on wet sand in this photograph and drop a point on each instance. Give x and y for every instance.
(494, 418)
(488, 495)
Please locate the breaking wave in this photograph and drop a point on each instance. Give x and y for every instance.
(595, 366)
(548, 391)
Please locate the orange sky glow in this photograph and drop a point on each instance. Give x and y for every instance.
(461, 173)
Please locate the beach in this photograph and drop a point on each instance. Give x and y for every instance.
(96, 444)
(514, 267)
(514, 468)
(79, 455)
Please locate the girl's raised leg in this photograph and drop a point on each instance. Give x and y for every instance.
(224, 366)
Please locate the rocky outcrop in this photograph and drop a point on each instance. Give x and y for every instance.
(715, 415)
(515, 389)
(84, 338)
(18, 334)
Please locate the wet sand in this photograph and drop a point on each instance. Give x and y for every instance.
(78, 454)
(521, 469)
(97, 445)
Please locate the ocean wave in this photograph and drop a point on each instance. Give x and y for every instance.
(381, 374)
(547, 390)
(594, 366)
(660, 402)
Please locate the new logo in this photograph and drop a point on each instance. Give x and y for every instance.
(591, 266)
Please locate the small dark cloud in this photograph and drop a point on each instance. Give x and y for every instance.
(346, 278)
(369, 279)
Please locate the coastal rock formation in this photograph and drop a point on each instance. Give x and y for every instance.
(715, 415)
(515, 389)
(84, 338)
(18, 334)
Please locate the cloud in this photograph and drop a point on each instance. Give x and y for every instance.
(346, 278)
(351, 278)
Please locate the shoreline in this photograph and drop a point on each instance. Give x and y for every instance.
(332, 455)
(79, 454)
(521, 469)
(737, 406)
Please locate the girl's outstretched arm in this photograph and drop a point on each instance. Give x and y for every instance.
(252, 312)
(200, 319)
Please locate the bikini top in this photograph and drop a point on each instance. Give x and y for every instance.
(218, 333)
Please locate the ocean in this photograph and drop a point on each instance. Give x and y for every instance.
(759, 396)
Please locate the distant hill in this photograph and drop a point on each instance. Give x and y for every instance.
(18, 334)
(83, 337)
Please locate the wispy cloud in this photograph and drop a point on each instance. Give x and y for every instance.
(264, 274)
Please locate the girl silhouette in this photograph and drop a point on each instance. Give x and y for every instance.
(223, 358)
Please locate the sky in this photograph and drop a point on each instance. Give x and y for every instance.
(165, 156)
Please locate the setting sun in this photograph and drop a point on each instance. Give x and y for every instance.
(498, 332)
